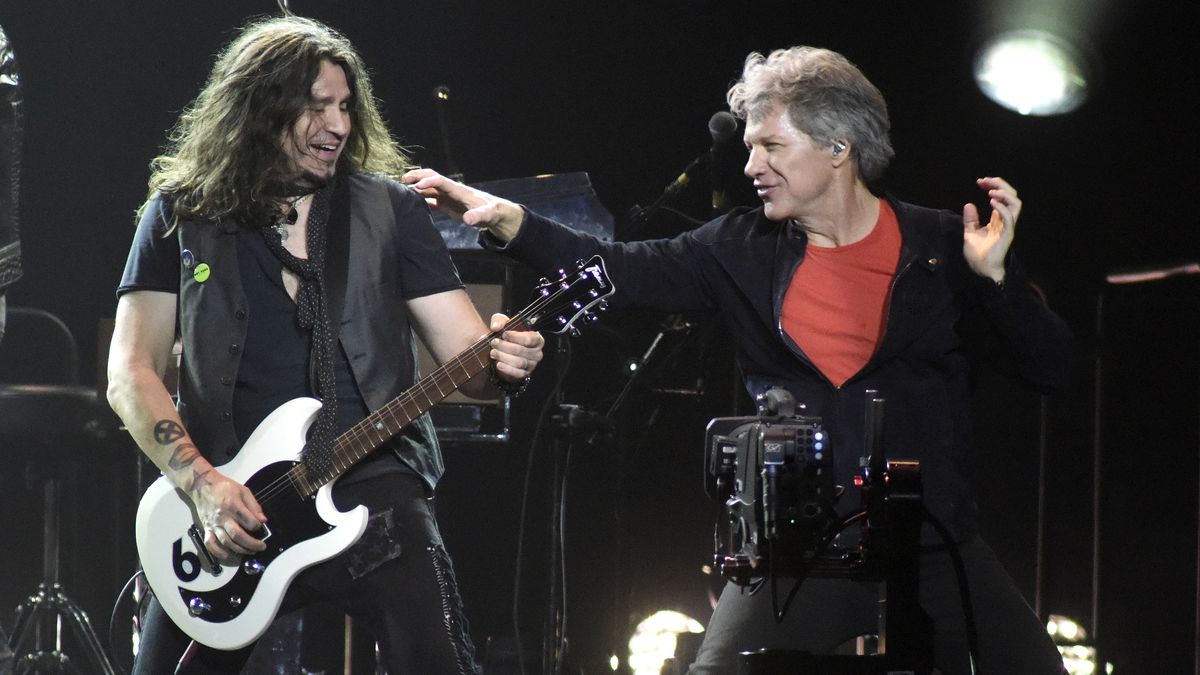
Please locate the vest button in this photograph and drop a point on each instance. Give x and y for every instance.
(240, 314)
(234, 349)
(226, 415)
(226, 380)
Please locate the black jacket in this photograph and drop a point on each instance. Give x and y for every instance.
(941, 316)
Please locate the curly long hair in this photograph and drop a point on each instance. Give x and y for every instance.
(224, 162)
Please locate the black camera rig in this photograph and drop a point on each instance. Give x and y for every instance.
(774, 475)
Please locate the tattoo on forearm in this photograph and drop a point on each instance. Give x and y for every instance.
(167, 432)
(199, 479)
(183, 456)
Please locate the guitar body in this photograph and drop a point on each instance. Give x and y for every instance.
(230, 606)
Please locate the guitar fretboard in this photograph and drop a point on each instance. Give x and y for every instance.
(382, 425)
(557, 308)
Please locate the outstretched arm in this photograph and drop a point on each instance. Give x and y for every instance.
(474, 207)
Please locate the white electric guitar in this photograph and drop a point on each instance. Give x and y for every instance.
(230, 606)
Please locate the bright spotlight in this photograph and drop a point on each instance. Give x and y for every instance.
(1032, 72)
(653, 640)
(1079, 658)
(1065, 630)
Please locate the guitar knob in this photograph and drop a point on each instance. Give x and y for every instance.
(197, 606)
(252, 567)
(235, 601)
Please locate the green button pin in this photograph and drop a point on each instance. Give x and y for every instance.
(201, 272)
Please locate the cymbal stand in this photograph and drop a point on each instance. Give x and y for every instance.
(41, 615)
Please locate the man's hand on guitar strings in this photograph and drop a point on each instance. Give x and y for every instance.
(230, 515)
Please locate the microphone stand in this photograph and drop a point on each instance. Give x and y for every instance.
(638, 215)
(620, 626)
(441, 97)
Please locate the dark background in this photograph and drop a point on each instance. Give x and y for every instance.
(623, 90)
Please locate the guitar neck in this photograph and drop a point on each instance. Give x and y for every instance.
(382, 425)
(556, 307)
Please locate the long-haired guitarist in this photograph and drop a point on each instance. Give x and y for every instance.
(276, 247)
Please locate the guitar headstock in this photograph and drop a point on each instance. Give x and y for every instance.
(577, 295)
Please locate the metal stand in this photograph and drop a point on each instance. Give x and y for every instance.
(41, 615)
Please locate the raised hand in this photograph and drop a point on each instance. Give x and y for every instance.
(985, 246)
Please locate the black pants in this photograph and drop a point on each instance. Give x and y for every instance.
(396, 582)
(827, 613)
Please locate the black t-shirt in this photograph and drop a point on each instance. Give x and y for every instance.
(274, 367)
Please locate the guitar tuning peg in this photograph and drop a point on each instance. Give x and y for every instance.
(590, 317)
(602, 305)
(577, 304)
(542, 281)
(573, 332)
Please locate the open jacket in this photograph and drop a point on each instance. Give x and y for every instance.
(941, 316)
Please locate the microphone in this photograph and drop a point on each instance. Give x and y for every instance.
(722, 126)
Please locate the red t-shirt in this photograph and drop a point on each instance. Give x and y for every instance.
(836, 305)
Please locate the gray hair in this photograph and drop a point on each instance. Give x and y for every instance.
(827, 98)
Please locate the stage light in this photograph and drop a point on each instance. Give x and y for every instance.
(1063, 629)
(1032, 72)
(1079, 658)
(654, 638)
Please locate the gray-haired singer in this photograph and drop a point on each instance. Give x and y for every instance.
(831, 289)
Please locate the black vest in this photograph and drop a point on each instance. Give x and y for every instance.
(374, 330)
